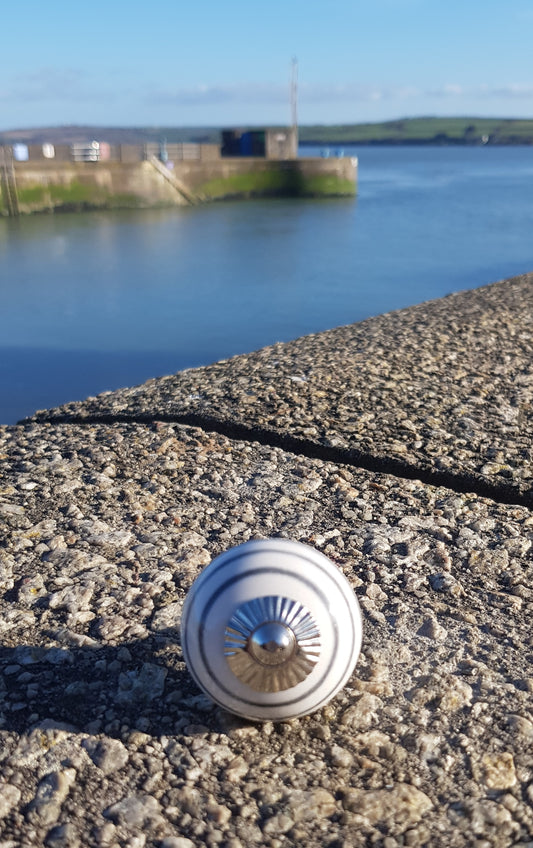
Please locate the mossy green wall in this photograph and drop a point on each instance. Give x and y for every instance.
(280, 183)
(262, 178)
(73, 197)
(44, 187)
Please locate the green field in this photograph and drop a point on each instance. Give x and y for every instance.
(424, 131)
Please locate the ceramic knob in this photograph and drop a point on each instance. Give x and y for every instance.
(271, 630)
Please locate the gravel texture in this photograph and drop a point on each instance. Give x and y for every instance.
(104, 738)
(443, 390)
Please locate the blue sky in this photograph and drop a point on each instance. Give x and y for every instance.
(186, 63)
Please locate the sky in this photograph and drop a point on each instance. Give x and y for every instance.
(187, 63)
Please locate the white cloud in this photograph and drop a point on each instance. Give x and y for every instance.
(253, 93)
(327, 93)
(62, 90)
(513, 90)
(453, 89)
(204, 94)
(51, 84)
(508, 91)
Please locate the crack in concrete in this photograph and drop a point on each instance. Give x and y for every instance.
(457, 482)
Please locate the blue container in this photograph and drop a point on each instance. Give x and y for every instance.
(246, 144)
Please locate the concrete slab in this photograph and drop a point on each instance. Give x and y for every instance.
(443, 389)
(104, 739)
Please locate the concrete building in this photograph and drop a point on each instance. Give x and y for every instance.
(280, 143)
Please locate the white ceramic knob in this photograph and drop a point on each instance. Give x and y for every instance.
(271, 630)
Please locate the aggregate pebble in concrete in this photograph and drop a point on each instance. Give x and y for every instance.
(446, 386)
(104, 738)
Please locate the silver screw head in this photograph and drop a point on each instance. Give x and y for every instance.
(272, 643)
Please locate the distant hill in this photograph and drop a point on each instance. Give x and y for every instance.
(424, 131)
(113, 135)
(445, 131)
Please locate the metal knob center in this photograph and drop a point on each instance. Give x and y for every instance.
(272, 643)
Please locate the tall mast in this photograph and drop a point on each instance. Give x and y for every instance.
(294, 92)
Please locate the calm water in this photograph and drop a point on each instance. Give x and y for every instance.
(95, 301)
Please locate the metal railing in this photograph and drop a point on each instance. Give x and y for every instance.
(101, 151)
(8, 182)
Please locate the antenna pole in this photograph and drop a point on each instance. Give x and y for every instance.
(294, 92)
(294, 106)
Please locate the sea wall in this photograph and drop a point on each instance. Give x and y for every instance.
(233, 177)
(69, 186)
(43, 186)
(400, 448)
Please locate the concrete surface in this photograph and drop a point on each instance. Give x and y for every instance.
(104, 738)
(443, 389)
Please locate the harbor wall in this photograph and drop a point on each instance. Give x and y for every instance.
(48, 186)
(249, 177)
(71, 186)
